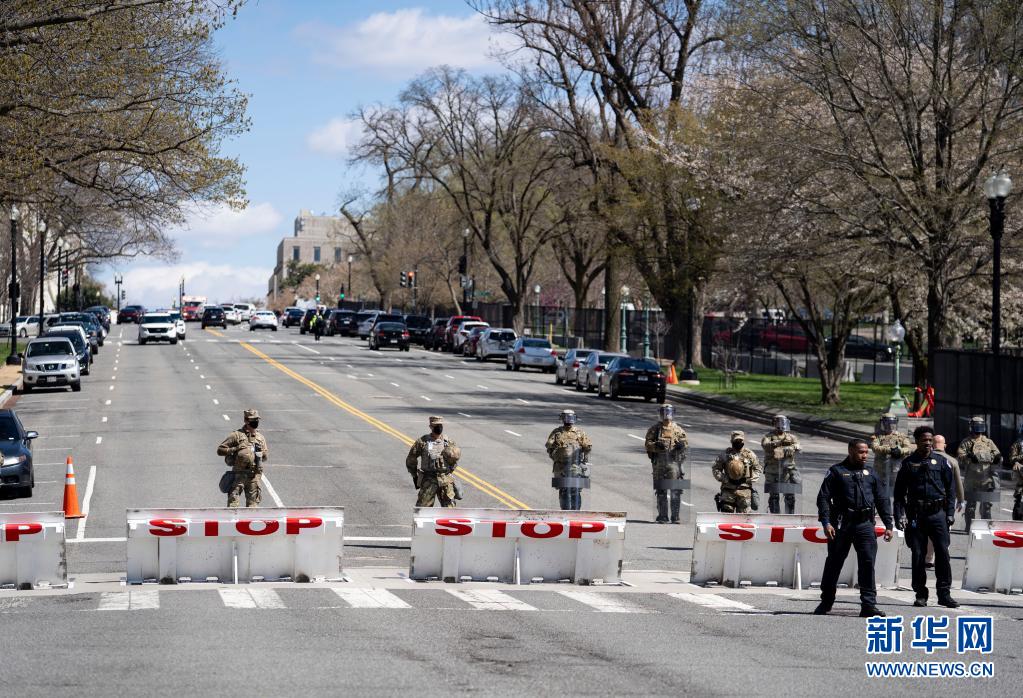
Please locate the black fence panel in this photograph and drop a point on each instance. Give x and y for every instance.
(970, 383)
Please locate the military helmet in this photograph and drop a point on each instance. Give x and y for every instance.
(889, 423)
(781, 422)
(436, 420)
(568, 417)
(978, 425)
(250, 415)
(735, 469)
(666, 411)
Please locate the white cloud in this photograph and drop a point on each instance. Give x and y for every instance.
(404, 40)
(156, 286)
(334, 138)
(220, 226)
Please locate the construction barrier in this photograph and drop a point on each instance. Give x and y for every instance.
(777, 549)
(994, 557)
(517, 546)
(32, 552)
(232, 545)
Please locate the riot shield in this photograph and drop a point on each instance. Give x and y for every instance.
(569, 482)
(888, 463)
(983, 502)
(671, 501)
(787, 486)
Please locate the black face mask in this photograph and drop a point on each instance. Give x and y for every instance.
(253, 424)
(437, 428)
(737, 445)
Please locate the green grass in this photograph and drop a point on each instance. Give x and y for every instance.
(5, 348)
(862, 403)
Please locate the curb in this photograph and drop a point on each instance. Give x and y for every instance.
(9, 393)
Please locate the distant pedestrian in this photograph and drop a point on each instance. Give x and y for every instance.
(317, 323)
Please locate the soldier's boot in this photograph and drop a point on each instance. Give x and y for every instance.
(790, 504)
(676, 504)
(576, 496)
(662, 506)
(985, 510)
(772, 504)
(1017, 508)
(968, 518)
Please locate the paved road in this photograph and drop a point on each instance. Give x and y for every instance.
(143, 433)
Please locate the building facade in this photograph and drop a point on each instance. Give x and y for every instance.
(317, 239)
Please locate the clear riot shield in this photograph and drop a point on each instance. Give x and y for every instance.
(569, 483)
(671, 502)
(787, 486)
(888, 480)
(983, 502)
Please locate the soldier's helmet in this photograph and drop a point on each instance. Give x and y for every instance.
(978, 425)
(735, 469)
(568, 417)
(781, 422)
(250, 415)
(667, 411)
(889, 423)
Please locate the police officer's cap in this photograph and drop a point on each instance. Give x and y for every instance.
(250, 414)
(436, 420)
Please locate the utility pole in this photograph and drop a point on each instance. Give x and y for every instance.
(42, 275)
(14, 291)
(118, 280)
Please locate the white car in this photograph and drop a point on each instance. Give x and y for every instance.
(459, 337)
(531, 352)
(245, 311)
(50, 361)
(231, 315)
(264, 319)
(179, 325)
(157, 327)
(495, 341)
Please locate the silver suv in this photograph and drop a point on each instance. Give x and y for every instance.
(50, 362)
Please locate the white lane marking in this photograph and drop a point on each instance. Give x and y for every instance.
(143, 599)
(621, 407)
(636, 437)
(196, 368)
(524, 402)
(99, 440)
(272, 491)
(114, 601)
(226, 418)
(369, 375)
(113, 378)
(509, 431)
(302, 346)
(603, 602)
(490, 600)
(86, 501)
(468, 416)
(104, 420)
(370, 598)
(208, 387)
(718, 603)
(237, 598)
(192, 360)
(395, 385)
(202, 377)
(482, 387)
(111, 387)
(107, 402)
(397, 359)
(447, 376)
(216, 401)
(352, 377)
(97, 540)
(426, 398)
(349, 366)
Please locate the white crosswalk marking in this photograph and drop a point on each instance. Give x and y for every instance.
(491, 600)
(370, 598)
(718, 603)
(250, 598)
(603, 602)
(132, 600)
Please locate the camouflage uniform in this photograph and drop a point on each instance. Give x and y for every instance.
(1016, 462)
(737, 495)
(431, 462)
(889, 450)
(978, 459)
(780, 451)
(563, 445)
(239, 451)
(666, 446)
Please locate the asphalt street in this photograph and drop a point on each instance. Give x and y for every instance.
(143, 433)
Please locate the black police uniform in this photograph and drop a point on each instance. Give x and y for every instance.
(847, 500)
(925, 501)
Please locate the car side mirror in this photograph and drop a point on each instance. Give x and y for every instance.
(29, 435)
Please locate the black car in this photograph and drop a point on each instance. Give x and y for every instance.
(628, 376)
(89, 323)
(419, 327)
(857, 347)
(102, 314)
(293, 316)
(435, 336)
(130, 313)
(389, 334)
(338, 321)
(82, 349)
(213, 316)
(16, 445)
(307, 318)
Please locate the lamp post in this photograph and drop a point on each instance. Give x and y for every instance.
(688, 373)
(42, 276)
(624, 339)
(536, 319)
(895, 333)
(14, 291)
(317, 288)
(118, 280)
(351, 258)
(463, 268)
(646, 327)
(996, 189)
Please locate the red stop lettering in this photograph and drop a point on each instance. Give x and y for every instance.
(553, 529)
(815, 535)
(576, 529)
(295, 524)
(167, 527)
(453, 527)
(777, 534)
(1008, 539)
(736, 531)
(14, 531)
(211, 528)
(500, 529)
(269, 526)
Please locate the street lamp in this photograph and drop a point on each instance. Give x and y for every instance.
(624, 339)
(14, 291)
(895, 333)
(118, 280)
(463, 268)
(317, 288)
(351, 258)
(42, 275)
(536, 321)
(996, 188)
(646, 327)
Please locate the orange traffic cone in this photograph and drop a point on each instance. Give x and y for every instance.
(672, 378)
(71, 510)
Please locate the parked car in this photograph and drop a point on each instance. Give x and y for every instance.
(179, 325)
(361, 317)
(93, 329)
(418, 327)
(130, 314)
(16, 473)
(213, 316)
(588, 373)
(434, 339)
(791, 340)
(367, 325)
(80, 343)
(157, 327)
(494, 341)
(468, 331)
(231, 314)
(102, 314)
(192, 312)
(26, 325)
(389, 334)
(531, 352)
(568, 365)
(263, 320)
(50, 362)
(453, 325)
(292, 316)
(629, 376)
(338, 321)
(245, 311)
(454, 337)
(857, 347)
(347, 324)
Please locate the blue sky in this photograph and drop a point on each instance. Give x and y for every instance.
(306, 65)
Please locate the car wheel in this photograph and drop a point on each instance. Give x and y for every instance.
(600, 389)
(86, 371)
(274, 329)
(557, 379)
(142, 342)
(76, 387)
(174, 341)
(301, 330)
(251, 328)
(660, 399)
(26, 389)
(614, 392)
(578, 385)
(507, 365)
(516, 366)
(23, 333)
(589, 388)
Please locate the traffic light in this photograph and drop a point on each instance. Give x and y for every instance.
(317, 297)
(124, 295)
(402, 279)
(341, 293)
(411, 279)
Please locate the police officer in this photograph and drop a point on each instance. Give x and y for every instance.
(890, 446)
(737, 469)
(845, 506)
(925, 509)
(431, 462)
(780, 449)
(979, 459)
(245, 450)
(569, 448)
(1016, 463)
(666, 445)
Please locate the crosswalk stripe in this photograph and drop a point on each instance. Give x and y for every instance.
(490, 600)
(114, 601)
(603, 602)
(718, 603)
(250, 598)
(132, 600)
(370, 598)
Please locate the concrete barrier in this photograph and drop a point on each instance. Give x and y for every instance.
(994, 557)
(32, 551)
(234, 545)
(517, 546)
(788, 550)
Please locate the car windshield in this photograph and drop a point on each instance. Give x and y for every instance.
(390, 326)
(417, 321)
(9, 429)
(156, 318)
(213, 311)
(175, 316)
(536, 343)
(75, 337)
(505, 336)
(389, 318)
(54, 348)
(637, 365)
(604, 358)
(582, 353)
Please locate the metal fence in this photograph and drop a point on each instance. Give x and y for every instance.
(970, 383)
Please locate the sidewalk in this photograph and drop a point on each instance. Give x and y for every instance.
(10, 380)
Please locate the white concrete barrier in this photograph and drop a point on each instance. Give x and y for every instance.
(32, 552)
(994, 557)
(784, 549)
(232, 545)
(517, 546)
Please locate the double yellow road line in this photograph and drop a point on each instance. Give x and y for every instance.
(470, 477)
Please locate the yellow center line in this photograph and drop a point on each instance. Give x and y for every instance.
(470, 477)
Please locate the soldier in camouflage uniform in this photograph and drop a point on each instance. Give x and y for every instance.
(737, 469)
(245, 450)
(1016, 462)
(780, 449)
(431, 462)
(890, 446)
(666, 445)
(979, 459)
(569, 448)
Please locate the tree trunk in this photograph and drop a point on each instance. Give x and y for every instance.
(697, 328)
(612, 292)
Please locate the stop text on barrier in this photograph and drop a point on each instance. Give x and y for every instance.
(292, 526)
(774, 533)
(573, 530)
